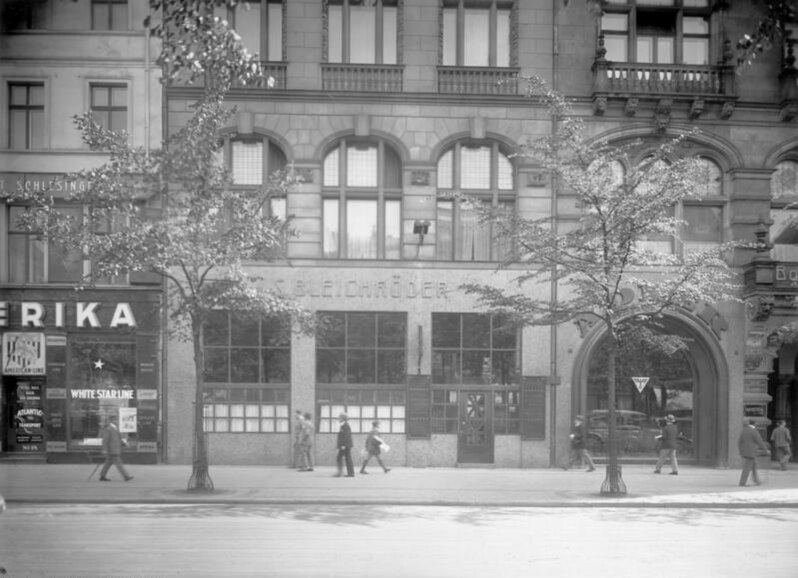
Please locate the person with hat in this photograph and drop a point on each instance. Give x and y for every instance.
(578, 446)
(750, 441)
(667, 450)
(782, 440)
(344, 443)
(112, 448)
(373, 444)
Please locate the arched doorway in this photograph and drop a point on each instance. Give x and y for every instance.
(690, 384)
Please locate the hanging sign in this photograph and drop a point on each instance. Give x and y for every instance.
(640, 382)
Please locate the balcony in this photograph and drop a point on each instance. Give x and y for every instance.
(362, 77)
(274, 74)
(477, 80)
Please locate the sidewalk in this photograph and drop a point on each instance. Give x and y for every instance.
(166, 484)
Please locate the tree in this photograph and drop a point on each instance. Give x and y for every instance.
(768, 31)
(601, 265)
(172, 212)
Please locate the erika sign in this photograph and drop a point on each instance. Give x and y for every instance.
(81, 314)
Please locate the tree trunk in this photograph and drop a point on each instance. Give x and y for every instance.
(613, 484)
(200, 480)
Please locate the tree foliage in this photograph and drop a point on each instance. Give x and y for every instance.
(768, 30)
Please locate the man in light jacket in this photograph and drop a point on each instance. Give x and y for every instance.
(112, 448)
(782, 442)
(750, 441)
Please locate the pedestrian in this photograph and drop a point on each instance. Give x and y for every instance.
(782, 442)
(667, 450)
(344, 443)
(578, 446)
(296, 462)
(306, 443)
(749, 442)
(374, 443)
(112, 448)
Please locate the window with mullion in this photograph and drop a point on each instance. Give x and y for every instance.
(108, 105)
(362, 190)
(485, 173)
(109, 15)
(362, 348)
(26, 115)
(476, 33)
(363, 31)
(251, 162)
(260, 25)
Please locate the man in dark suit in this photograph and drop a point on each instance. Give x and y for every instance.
(669, 437)
(750, 441)
(345, 448)
(112, 448)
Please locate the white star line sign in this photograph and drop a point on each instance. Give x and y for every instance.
(99, 364)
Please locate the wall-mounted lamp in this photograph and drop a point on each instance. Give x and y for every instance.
(421, 228)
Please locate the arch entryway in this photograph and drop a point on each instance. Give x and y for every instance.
(692, 385)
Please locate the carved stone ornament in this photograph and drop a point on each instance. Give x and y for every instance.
(304, 175)
(420, 178)
(599, 105)
(696, 108)
(727, 110)
(760, 307)
(753, 359)
(631, 106)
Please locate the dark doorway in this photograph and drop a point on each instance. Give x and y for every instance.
(475, 434)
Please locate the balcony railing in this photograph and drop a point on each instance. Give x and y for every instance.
(276, 71)
(477, 80)
(625, 78)
(362, 77)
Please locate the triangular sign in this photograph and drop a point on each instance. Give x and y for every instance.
(640, 382)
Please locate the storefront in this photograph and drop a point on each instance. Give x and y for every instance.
(72, 359)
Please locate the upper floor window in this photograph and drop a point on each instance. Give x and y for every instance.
(476, 32)
(251, 161)
(483, 171)
(260, 25)
(109, 105)
(784, 211)
(657, 31)
(26, 115)
(362, 186)
(109, 15)
(363, 31)
(23, 15)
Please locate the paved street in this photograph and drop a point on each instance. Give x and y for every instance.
(396, 541)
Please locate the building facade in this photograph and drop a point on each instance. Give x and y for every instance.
(70, 359)
(383, 108)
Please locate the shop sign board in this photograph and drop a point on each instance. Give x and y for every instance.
(23, 354)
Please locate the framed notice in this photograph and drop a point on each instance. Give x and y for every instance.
(23, 354)
(128, 420)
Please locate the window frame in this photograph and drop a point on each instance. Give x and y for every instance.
(336, 197)
(493, 6)
(28, 108)
(112, 25)
(264, 48)
(346, 32)
(109, 86)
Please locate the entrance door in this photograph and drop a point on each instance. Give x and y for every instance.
(475, 435)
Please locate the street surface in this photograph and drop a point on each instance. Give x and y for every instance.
(396, 541)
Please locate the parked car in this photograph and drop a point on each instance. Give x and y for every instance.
(630, 430)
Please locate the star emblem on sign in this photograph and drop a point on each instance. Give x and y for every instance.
(99, 364)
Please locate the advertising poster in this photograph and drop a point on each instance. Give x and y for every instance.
(127, 419)
(23, 354)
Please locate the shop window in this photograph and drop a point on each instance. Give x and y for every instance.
(362, 406)
(507, 412)
(260, 25)
(26, 115)
(472, 348)
(362, 187)
(445, 411)
(657, 32)
(109, 15)
(245, 410)
(108, 106)
(477, 33)
(784, 211)
(363, 31)
(102, 383)
(32, 259)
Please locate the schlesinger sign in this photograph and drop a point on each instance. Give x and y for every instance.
(23, 354)
(32, 314)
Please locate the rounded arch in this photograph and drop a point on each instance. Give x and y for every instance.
(327, 143)
(276, 138)
(788, 150)
(716, 148)
(710, 374)
(506, 145)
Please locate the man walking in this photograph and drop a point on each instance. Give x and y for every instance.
(296, 462)
(306, 443)
(669, 437)
(749, 442)
(112, 448)
(578, 448)
(782, 442)
(344, 443)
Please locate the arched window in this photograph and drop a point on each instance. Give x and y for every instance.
(483, 171)
(251, 160)
(362, 188)
(784, 211)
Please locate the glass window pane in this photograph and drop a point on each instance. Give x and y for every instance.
(275, 32)
(617, 48)
(444, 244)
(476, 31)
(100, 16)
(331, 366)
(276, 366)
(450, 37)
(391, 367)
(665, 50)
(118, 120)
(332, 332)
(711, 184)
(784, 181)
(505, 169)
(18, 130)
(244, 365)
(475, 167)
(472, 238)
(645, 49)
(331, 233)
(216, 331)
(389, 18)
(331, 169)
(335, 34)
(476, 331)
(695, 25)
(17, 258)
(475, 365)
(119, 16)
(703, 224)
(392, 329)
(361, 366)
(393, 226)
(503, 38)
(446, 330)
(615, 22)
(217, 362)
(37, 261)
(445, 170)
(277, 208)
(362, 37)
(696, 51)
(361, 330)
(247, 165)
(99, 96)
(36, 95)
(244, 330)
(361, 166)
(19, 95)
(119, 96)
(361, 229)
(247, 25)
(63, 266)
